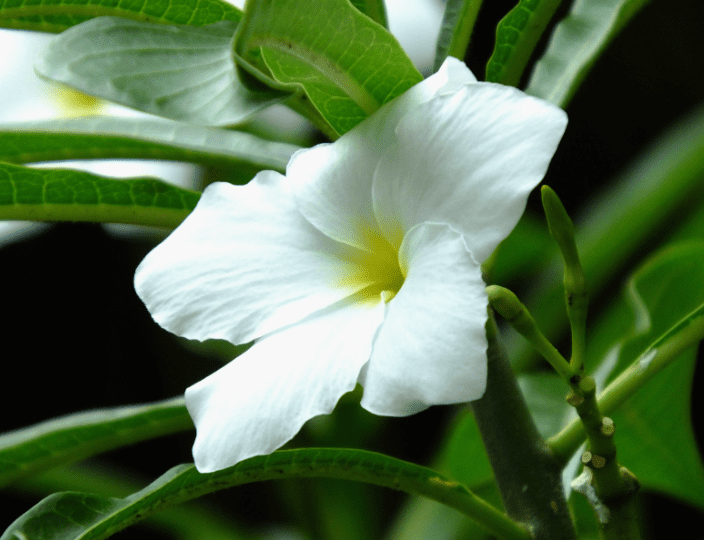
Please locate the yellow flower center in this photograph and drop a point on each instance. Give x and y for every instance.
(378, 272)
(72, 103)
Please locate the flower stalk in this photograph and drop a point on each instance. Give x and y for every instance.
(527, 474)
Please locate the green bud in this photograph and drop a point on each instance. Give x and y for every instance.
(507, 304)
(560, 225)
(562, 230)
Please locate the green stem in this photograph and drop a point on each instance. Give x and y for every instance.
(651, 362)
(528, 477)
(615, 487)
(507, 304)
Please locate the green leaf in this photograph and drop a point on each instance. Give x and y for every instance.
(91, 517)
(516, 37)
(78, 436)
(575, 45)
(180, 72)
(347, 64)
(193, 521)
(654, 434)
(456, 30)
(654, 428)
(663, 293)
(625, 220)
(58, 15)
(65, 195)
(374, 9)
(110, 137)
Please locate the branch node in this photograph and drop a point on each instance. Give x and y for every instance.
(574, 399)
(608, 428)
(598, 462)
(586, 457)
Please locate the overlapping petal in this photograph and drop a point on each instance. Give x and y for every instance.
(469, 159)
(243, 264)
(431, 348)
(332, 182)
(260, 400)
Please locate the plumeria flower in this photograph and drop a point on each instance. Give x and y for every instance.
(361, 264)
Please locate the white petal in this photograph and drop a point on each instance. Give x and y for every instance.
(468, 159)
(243, 264)
(431, 348)
(259, 401)
(332, 181)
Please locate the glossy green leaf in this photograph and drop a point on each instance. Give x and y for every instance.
(347, 64)
(576, 43)
(456, 30)
(91, 517)
(663, 291)
(58, 15)
(516, 37)
(75, 437)
(624, 220)
(193, 521)
(374, 9)
(65, 195)
(131, 138)
(654, 426)
(180, 72)
(654, 434)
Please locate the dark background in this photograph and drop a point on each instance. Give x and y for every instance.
(76, 336)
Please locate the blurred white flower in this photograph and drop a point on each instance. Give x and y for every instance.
(362, 264)
(28, 98)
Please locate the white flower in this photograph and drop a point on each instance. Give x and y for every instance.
(360, 265)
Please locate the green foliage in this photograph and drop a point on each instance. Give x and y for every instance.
(59, 194)
(347, 65)
(575, 45)
(516, 37)
(180, 72)
(456, 30)
(654, 427)
(192, 521)
(337, 64)
(144, 138)
(84, 516)
(75, 437)
(58, 15)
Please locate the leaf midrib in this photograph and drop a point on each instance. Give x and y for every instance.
(319, 62)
